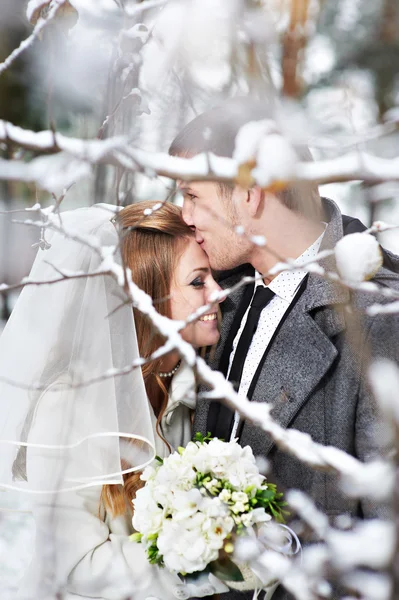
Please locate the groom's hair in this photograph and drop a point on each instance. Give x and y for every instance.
(215, 131)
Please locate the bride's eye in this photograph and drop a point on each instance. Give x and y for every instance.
(197, 282)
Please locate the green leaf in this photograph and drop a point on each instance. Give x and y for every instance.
(159, 459)
(202, 439)
(226, 570)
(136, 537)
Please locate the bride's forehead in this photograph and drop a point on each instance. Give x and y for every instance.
(193, 257)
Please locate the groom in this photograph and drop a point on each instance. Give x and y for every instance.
(289, 340)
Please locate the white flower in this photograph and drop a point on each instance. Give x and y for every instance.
(246, 519)
(192, 525)
(217, 457)
(163, 495)
(216, 531)
(239, 497)
(148, 473)
(239, 507)
(214, 507)
(176, 472)
(190, 451)
(184, 550)
(186, 504)
(225, 495)
(148, 517)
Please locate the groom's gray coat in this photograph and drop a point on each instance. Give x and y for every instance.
(315, 375)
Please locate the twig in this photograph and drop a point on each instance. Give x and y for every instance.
(40, 25)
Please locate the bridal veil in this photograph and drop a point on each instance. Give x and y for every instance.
(74, 411)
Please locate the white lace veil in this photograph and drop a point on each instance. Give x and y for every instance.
(57, 434)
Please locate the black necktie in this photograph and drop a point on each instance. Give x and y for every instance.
(225, 417)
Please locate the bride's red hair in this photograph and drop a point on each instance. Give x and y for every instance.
(152, 241)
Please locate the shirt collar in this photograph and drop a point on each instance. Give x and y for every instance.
(286, 284)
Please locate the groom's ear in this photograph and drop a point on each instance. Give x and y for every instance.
(254, 201)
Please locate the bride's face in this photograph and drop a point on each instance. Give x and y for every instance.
(191, 288)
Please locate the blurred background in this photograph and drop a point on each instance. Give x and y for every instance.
(144, 69)
(333, 63)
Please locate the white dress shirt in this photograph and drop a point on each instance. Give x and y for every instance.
(285, 286)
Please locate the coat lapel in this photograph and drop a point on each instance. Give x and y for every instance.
(302, 352)
(300, 356)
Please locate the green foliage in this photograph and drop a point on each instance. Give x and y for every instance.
(272, 501)
(203, 439)
(154, 557)
(225, 569)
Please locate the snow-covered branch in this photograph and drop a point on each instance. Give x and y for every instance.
(119, 152)
(39, 27)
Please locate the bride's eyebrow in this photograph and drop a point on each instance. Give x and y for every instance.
(203, 269)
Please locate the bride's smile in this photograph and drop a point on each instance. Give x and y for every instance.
(191, 289)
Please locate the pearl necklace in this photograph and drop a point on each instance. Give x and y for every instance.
(164, 375)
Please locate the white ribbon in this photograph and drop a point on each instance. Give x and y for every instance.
(287, 548)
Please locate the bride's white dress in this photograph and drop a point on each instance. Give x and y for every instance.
(70, 339)
(81, 549)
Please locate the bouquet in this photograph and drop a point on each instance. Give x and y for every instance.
(197, 502)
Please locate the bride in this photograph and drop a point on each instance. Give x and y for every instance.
(83, 415)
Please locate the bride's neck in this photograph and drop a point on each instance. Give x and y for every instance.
(169, 362)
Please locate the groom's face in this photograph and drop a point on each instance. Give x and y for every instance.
(214, 216)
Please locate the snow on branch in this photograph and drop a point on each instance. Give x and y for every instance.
(40, 25)
(368, 544)
(119, 152)
(349, 252)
